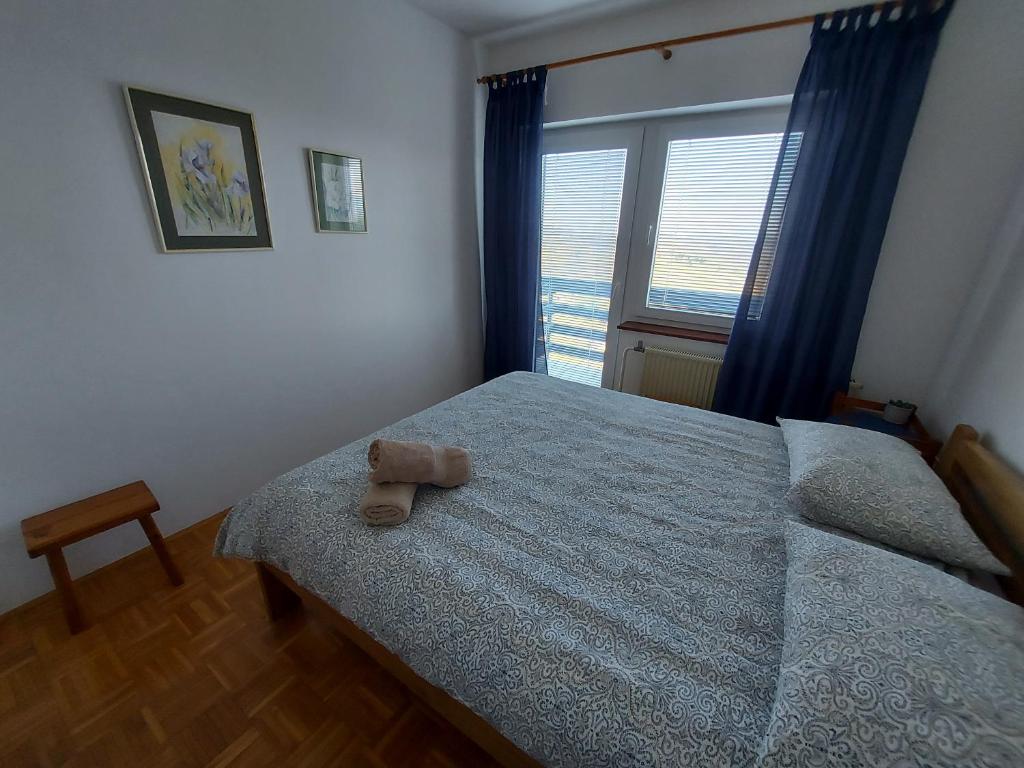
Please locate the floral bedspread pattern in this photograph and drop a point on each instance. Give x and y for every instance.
(607, 590)
(889, 662)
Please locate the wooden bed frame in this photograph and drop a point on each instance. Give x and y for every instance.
(282, 595)
(990, 494)
(991, 497)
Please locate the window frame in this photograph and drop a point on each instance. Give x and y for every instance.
(651, 180)
(587, 138)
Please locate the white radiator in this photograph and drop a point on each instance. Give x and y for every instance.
(687, 378)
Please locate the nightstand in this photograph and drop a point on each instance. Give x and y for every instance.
(867, 414)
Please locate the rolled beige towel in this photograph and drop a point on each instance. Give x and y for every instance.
(387, 503)
(392, 461)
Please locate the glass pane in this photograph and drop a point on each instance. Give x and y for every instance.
(712, 203)
(582, 197)
(776, 209)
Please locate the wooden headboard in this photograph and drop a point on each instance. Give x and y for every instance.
(991, 496)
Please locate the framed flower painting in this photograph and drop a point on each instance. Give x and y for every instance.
(337, 182)
(201, 164)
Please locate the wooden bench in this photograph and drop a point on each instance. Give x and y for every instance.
(48, 533)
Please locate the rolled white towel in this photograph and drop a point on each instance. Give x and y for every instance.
(387, 503)
(396, 461)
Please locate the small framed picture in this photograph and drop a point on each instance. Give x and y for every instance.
(201, 164)
(337, 182)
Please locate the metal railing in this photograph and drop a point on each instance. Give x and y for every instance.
(576, 322)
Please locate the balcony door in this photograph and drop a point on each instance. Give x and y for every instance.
(589, 192)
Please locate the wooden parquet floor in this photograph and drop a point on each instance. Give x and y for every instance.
(197, 676)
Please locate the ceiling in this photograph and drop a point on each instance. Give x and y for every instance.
(481, 17)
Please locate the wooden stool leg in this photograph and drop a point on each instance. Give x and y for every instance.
(160, 547)
(65, 589)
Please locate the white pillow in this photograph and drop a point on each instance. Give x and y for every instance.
(879, 487)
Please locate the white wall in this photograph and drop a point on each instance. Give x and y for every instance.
(982, 376)
(209, 374)
(957, 177)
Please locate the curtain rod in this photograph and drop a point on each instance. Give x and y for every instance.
(664, 46)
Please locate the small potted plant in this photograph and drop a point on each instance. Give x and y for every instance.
(898, 411)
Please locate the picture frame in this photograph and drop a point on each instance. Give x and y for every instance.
(339, 202)
(201, 165)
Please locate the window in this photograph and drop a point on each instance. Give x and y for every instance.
(702, 194)
(582, 196)
(656, 221)
(712, 203)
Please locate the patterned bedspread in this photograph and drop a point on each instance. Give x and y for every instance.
(607, 590)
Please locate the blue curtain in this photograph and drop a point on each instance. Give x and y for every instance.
(798, 322)
(514, 339)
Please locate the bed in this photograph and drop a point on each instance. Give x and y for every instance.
(609, 589)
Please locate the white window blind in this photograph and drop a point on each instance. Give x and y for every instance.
(713, 200)
(582, 197)
(773, 229)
